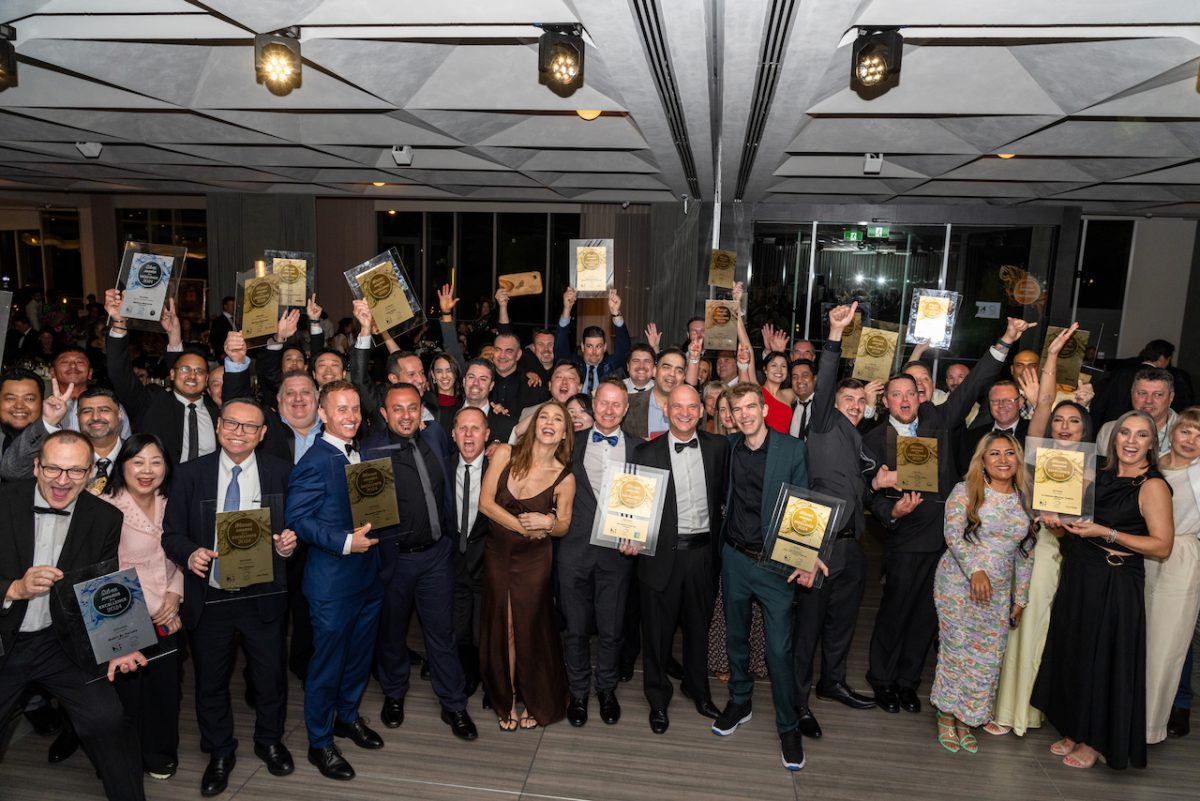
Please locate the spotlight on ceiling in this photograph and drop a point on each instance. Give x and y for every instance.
(875, 62)
(560, 58)
(277, 61)
(588, 114)
(89, 150)
(8, 57)
(378, 183)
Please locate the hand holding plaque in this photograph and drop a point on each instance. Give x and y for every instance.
(383, 284)
(802, 530)
(720, 324)
(372, 487)
(629, 507)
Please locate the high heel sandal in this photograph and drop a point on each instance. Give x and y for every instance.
(948, 741)
(992, 727)
(527, 721)
(969, 743)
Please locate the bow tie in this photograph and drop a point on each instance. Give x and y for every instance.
(691, 443)
(46, 510)
(350, 448)
(598, 437)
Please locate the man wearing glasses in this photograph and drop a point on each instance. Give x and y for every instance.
(1004, 406)
(184, 416)
(231, 479)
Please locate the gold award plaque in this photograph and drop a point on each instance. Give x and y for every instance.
(372, 494)
(260, 307)
(591, 269)
(1058, 481)
(292, 275)
(381, 289)
(722, 268)
(805, 522)
(244, 545)
(917, 464)
(876, 352)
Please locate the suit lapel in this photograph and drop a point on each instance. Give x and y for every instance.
(582, 482)
(77, 536)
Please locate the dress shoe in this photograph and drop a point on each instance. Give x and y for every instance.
(216, 775)
(627, 672)
(659, 721)
(610, 708)
(65, 744)
(165, 772)
(577, 711)
(791, 748)
(460, 724)
(909, 701)
(392, 713)
(887, 699)
(331, 763)
(1179, 723)
(844, 695)
(731, 717)
(704, 706)
(674, 669)
(276, 757)
(45, 720)
(359, 733)
(808, 723)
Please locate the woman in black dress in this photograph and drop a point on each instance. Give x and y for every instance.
(526, 494)
(1092, 681)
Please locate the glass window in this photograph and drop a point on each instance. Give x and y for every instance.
(60, 249)
(563, 228)
(521, 248)
(1102, 279)
(475, 269)
(402, 230)
(779, 281)
(439, 249)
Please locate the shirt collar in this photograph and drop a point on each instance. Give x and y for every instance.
(199, 401)
(673, 439)
(38, 500)
(248, 464)
(476, 462)
(335, 441)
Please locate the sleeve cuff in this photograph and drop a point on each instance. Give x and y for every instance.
(50, 427)
(563, 322)
(314, 328)
(117, 333)
(273, 345)
(363, 342)
(346, 547)
(175, 348)
(236, 367)
(869, 412)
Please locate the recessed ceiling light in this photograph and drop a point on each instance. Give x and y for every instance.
(378, 183)
(1005, 155)
(588, 114)
(392, 212)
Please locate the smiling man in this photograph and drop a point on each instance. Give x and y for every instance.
(1152, 393)
(647, 417)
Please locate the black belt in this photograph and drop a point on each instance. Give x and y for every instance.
(753, 553)
(692, 541)
(415, 548)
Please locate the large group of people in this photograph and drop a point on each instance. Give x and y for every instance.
(499, 449)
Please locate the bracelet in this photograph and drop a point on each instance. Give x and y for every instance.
(693, 361)
(1002, 345)
(1111, 536)
(743, 364)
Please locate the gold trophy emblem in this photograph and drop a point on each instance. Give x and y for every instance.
(261, 293)
(1070, 348)
(627, 491)
(369, 482)
(1021, 288)
(1058, 468)
(722, 261)
(876, 346)
(242, 533)
(930, 308)
(804, 521)
(289, 272)
(917, 453)
(591, 258)
(378, 287)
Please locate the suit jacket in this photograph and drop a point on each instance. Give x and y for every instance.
(17, 462)
(655, 571)
(612, 364)
(787, 463)
(921, 531)
(150, 410)
(218, 330)
(1114, 392)
(92, 536)
(575, 547)
(190, 522)
(479, 529)
(318, 510)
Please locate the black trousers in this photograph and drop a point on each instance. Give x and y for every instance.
(468, 599)
(593, 598)
(213, 653)
(109, 737)
(631, 643)
(150, 697)
(828, 615)
(907, 620)
(300, 647)
(687, 600)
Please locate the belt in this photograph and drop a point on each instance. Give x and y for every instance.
(844, 534)
(753, 553)
(692, 541)
(415, 548)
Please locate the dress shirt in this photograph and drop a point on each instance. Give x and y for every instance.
(745, 508)
(801, 415)
(354, 457)
(303, 443)
(691, 487)
(49, 535)
(476, 481)
(250, 492)
(599, 454)
(904, 429)
(656, 418)
(630, 386)
(207, 436)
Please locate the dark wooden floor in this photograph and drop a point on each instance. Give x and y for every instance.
(863, 755)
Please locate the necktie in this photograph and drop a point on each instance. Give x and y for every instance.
(598, 437)
(692, 443)
(46, 510)
(466, 509)
(435, 526)
(591, 379)
(912, 428)
(233, 502)
(193, 433)
(804, 418)
(100, 479)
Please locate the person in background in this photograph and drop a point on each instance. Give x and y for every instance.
(592, 357)
(647, 416)
(579, 406)
(445, 378)
(709, 393)
(640, 368)
(1153, 393)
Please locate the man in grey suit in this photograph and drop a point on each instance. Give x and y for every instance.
(593, 581)
(647, 416)
(21, 401)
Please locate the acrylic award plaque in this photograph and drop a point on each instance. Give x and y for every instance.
(148, 278)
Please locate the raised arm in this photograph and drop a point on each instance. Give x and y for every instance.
(1046, 389)
(562, 345)
(446, 302)
(824, 403)
(621, 341)
(958, 405)
(128, 388)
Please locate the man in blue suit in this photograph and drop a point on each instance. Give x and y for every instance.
(593, 360)
(341, 583)
(417, 560)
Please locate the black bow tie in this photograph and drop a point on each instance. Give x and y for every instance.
(46, 510)
(691, 443)
(350, 448)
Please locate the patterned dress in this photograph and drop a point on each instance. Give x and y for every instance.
(972, 635)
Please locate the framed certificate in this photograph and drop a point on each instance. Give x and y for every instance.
(246, 565)
(931, 317)
(1070, 358)
(853, 332)
(372, 487)
(802, 529)
(295, 276)
(256, 306)
(591, 267)
(875, 355)
(629, 507)
(720, 324)
(382, 282)
(148, 278)
(517, 284)
(1064, 477)
(722, 268)
(916, 460)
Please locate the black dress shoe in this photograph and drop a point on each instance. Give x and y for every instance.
(886, 698)
(909, 701)
(359, 733)
(276, 757)
(577, 711)
(165, 772)
(610, 708)
(460, 724)
(216, 775)
(674, 669)
(844, 695)
(392, 713)
(626, 673)
(808, 723)
(1179, 722)
(659, 721)
(65, 744)
(331, 763)
(45, 720)
(704, 706)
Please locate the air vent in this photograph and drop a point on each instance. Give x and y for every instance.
(770, 58)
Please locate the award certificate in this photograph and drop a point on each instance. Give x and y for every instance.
(932, 315)
(146, 288)
(372, 488)
(876, 352)
(629, 507)
(260, 307)
(722, 268)
(291, 279)
(591, 269)
(917, 464)
(1058, 481)
(115, 615)
(384, 295)
(517, 284)
(245, 548)
(802, 529)
(720, 324)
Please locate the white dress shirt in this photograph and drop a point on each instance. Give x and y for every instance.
(49, 535)
(801, 413)
(206, 433)
(476, 480)
(904, 429)
(691, 488)
(354, 457)
(597, 456)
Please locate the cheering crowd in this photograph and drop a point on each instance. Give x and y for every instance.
(499, 448)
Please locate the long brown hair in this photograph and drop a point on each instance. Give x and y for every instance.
(522, 452)
(976, 481)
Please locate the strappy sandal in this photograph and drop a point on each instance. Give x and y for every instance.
(948, 741)
(1060, 748)
(527, 721)
(507, 724)
(992, 727)
(969, 743)
(1072, 761)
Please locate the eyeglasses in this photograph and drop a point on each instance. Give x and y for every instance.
(74, 473)
(185, 369)
(1005, 402)
(233, 425)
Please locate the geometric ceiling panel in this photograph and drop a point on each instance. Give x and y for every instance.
(331, 12)
(40, 87)
(1103, 138)
(264, 16)
(588, 161)
(1184, 173)
(153, 127)
(1172, 94)
(1021, 169)
(993, 133)
(847, 166)
(1112, 169)
(265, 155)
(849, 186)
(1110, 192)
(388, 128)
(228, 82)
(975, 189)
(556, 130)
(876, 135)
(373, 65)
(164, 71)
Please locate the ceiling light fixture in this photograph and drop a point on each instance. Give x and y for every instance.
(277, 61)
(392, 212)
(872, 164)
(378, 183)
(89, 150)
(1005, 155)
(588, 114)
(402, 155)
(560, 58)
(875, 61)
(8, 57)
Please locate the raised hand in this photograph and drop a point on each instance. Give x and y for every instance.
(743, 354)
(696, 346)
(1016, 327)
(873, 390)
(112, 305)
(235, 347)
(774, 339)
(738, 289)
(502, 297)
(614, 303)
(446, 300)
(1062, 339)
(840, 317)
(170, 324)
(568, 301)
(653, 336)
(1028, 382)
(56, 404)
(313, 310)
(362, 313)
(285, 329)
(1084, 393)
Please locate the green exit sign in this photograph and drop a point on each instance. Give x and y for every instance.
(877, 232)
(852, 236)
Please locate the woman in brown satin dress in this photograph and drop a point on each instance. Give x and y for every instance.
(526, 494)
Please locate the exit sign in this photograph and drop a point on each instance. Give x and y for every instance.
(877, 232)
(852, 236)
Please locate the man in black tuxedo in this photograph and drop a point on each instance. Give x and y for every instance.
(478, 379)
(593, 581)
(1004, 407)
(468, 467)
(678, 585)
(50, 527)
(184, 417)
(913, 524)
(231, 479)
(593, 359)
